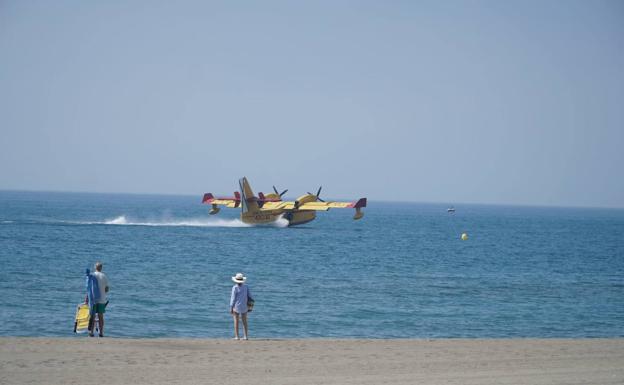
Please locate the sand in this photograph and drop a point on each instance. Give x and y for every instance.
(311, 361)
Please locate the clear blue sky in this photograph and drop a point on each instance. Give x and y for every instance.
(513, 102)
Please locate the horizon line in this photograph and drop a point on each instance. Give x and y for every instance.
(535, 205)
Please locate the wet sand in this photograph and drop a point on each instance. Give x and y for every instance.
(310, 361)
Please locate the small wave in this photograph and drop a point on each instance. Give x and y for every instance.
(6, 222)
(120, 220)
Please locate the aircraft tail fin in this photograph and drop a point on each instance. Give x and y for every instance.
(249, 201)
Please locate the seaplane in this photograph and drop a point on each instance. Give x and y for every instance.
(265, 209)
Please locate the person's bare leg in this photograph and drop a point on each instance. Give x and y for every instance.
(101, 323)
(244, 315)
(235, 315)
(91, 325)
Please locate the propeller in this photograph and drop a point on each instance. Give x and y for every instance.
(280, 194)
(317, 194)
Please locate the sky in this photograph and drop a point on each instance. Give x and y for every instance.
(500, 102)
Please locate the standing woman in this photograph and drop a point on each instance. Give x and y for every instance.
(238, 303)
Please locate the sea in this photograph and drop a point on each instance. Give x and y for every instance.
(402, 271)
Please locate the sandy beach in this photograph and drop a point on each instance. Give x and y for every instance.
(311, 361)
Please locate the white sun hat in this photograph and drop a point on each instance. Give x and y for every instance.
(239, 278)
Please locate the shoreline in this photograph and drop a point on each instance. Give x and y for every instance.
(311, 361)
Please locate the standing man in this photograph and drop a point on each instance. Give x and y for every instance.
(99, 306)
(239, 301)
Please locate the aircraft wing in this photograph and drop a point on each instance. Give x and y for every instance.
(231, 203)
(228, 202)
(317, 206)
(324, 206)
(279, 205)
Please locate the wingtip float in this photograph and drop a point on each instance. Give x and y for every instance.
(269, 208)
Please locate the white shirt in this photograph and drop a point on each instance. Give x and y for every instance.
(102, 284)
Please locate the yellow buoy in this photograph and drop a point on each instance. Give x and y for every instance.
(464, 236)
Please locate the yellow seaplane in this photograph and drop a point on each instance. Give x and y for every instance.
(269, 208)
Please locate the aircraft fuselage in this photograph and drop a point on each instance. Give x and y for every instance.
(269, 216)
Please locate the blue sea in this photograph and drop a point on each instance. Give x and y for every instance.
(400, 272)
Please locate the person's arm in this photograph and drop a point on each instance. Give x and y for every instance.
(232, 299)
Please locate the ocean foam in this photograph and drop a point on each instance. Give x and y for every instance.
(280, 222)
(187, 222)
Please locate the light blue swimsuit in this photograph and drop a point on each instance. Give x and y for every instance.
(238, 301)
